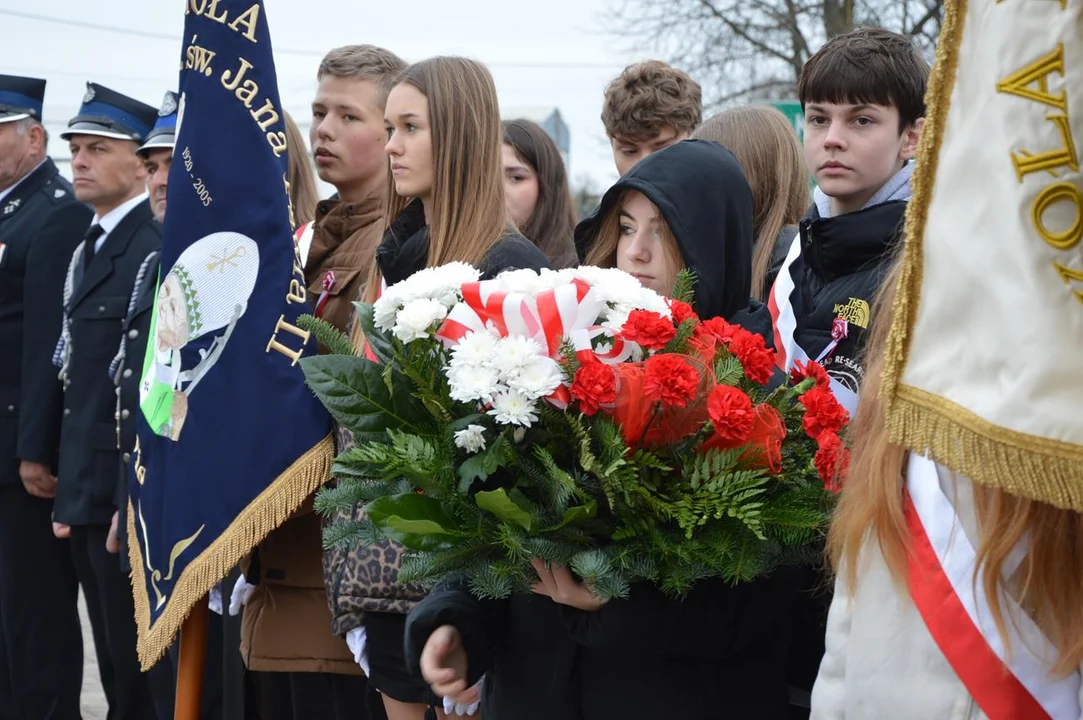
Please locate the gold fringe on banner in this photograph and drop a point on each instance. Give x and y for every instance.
(267, 511)
(1032, 467)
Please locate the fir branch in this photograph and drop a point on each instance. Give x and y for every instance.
(728, 370)
(347, 494)
(684, 288)
(327, 334)
(349, 534)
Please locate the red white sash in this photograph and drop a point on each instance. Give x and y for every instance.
(1013, 685)
(303, 239)
(784, 322)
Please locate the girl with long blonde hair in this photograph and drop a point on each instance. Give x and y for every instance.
(882, 661)
(445, 203)
(766, 146)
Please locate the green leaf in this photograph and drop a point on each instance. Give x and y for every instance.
(579, 513)
(379, 343)
(498, 503)
(483, 464)
(353, 391)
(419, 522)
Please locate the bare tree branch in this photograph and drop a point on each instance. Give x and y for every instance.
(755, 49)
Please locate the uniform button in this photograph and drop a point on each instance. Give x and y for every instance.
(127, 373)
(101, 308)
(126, 457)
(124, 414)
(11, 408)
(67, 411)
(133, 334)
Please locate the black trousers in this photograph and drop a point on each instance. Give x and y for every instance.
(317, 696)
(108, 594)
(41, 651)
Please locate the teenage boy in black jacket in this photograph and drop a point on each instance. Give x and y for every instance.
(863, 95)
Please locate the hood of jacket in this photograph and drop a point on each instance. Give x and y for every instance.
(706, 201)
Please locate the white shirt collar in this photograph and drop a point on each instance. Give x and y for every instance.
(5, 193)
(113, 217)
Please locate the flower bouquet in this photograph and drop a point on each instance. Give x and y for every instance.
(579, 418)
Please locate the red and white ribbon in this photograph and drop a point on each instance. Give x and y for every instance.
(1008, 682)
(566, 312)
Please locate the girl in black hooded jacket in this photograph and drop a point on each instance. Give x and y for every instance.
(720, 652)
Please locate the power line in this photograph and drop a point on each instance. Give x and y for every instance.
(283, 50)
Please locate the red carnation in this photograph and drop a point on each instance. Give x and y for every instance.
(757, 359)
(670, 379)
(812, 369)
(649, 329)
(832, 461)
(682, 311)
(731, 413)
(719, 329)
(823, 413)
(594, 385)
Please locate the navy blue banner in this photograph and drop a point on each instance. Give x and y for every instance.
(230, 440)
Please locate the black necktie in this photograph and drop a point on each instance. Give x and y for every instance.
(89, 241)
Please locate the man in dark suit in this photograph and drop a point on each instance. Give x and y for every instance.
(41, 659)
(110, 176)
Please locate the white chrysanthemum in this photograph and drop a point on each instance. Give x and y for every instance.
(475, 348)
(472, 439)
(513, 408)
(526, 282)
(448, 280)
(538, 378)
(513, 353)
(470, 383)
(615, 319)
(416, 319)
(387, 307)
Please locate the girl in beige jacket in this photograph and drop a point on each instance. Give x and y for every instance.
(953, 600)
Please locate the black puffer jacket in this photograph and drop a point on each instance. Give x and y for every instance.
(842, 265)
(840, 269)
(718, 653)
(365, 579)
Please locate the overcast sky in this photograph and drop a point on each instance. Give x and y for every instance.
(551, 53)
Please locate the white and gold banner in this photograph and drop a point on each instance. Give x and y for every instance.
(985, 362)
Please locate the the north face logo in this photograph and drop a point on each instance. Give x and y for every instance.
(855, 312)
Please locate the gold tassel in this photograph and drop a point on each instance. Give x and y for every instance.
(266, 512)
(1036, 468)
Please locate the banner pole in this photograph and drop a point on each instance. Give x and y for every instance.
(193, 656)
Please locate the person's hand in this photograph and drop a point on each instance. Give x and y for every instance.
(61, 530)
(37, 479)
(112, 542)
(443, 664)
(558, 583)
(465, 704)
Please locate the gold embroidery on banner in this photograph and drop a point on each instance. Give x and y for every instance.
(1031, 83)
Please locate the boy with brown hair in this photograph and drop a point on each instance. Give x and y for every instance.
(288, 627)
(650, 106)
(863, 95)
